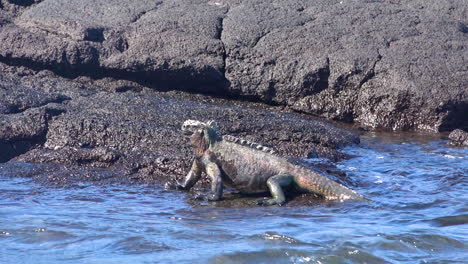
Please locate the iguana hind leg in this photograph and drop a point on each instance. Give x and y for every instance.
(274, 185)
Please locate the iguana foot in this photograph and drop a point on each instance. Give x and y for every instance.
(274, 185)
(210, 198)
(213, 198)
(269, 202)
(173, 186)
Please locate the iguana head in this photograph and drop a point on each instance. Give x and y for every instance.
(201, 134)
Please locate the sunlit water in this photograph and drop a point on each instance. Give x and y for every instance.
(418, 214)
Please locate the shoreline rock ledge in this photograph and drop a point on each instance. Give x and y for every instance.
(398, 65)
(60, 131)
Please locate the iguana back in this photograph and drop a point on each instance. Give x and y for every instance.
(248, 169)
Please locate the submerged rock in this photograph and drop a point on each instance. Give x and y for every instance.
(396, 65)
(458, 137)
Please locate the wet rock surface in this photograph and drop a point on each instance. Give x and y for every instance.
(458, 137)
(61, 131)
(24, 116)
(384, 64)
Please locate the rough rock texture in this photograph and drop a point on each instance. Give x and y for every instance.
(385, 64)
(15, 98)
(121, 131)
(398, 64)
(24, 116)
(458, 137)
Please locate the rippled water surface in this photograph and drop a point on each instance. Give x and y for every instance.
(418, 214)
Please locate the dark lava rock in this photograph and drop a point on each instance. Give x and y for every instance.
(385, 64)
(133, 132)
(15, 98)
(62, 175)
(163, 43)
(23, 2)
(458, 137)
(397, 64)
(21, 132)
(24, 115)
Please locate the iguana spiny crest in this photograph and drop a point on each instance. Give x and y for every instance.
(249, 144)
(193, 126)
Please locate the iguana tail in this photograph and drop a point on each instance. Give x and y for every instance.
(314, 182)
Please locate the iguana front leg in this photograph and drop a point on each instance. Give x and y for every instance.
(192, 177)
(213, 171)
(274, 185)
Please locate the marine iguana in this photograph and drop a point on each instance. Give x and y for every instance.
(250, 168)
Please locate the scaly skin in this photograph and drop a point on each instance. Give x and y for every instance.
(250, 170)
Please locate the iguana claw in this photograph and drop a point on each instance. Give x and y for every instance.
(210, 198)
(173, 186)
(269, 202)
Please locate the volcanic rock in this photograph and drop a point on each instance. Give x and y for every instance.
(384, 64)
